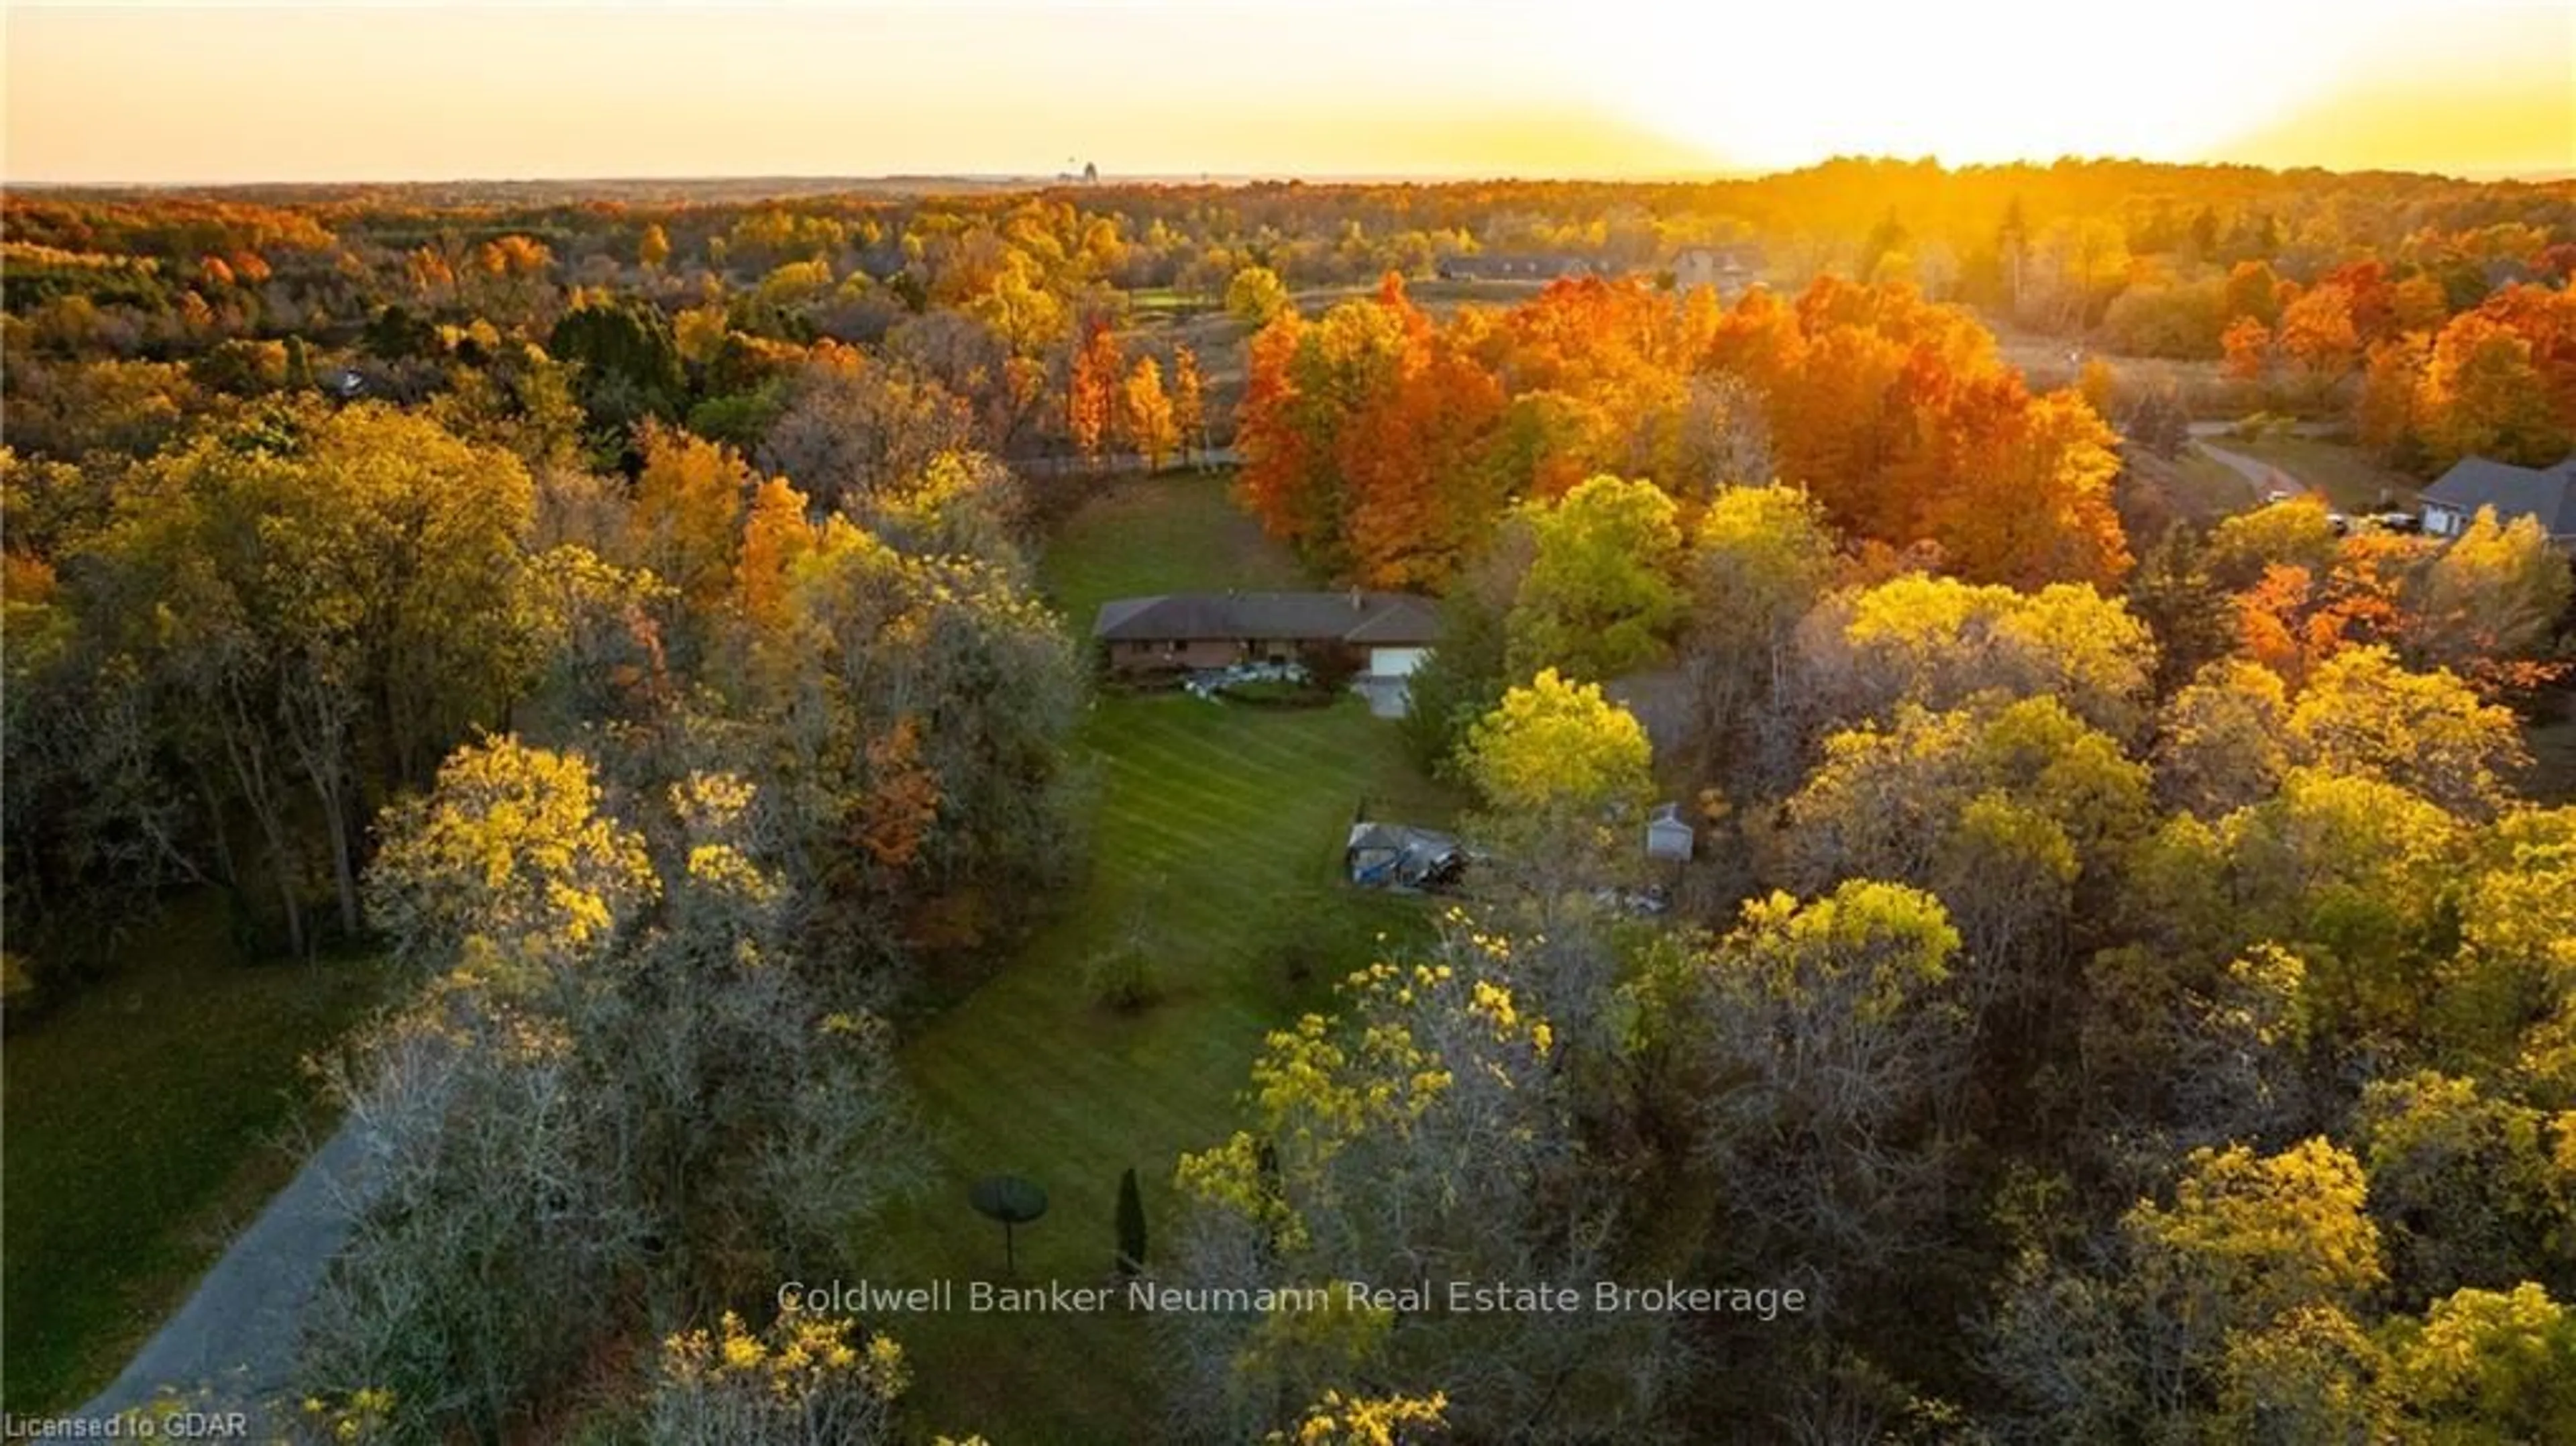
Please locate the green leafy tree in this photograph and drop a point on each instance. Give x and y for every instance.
(2510, 993)
(2296, 533)
(1761, 559)
(1256, 297)
(2491, 600)
(629, 359)
(2012, 816)
(2488, 1367)
(2463, 1184)
(2227, 1315)
(326, 600)
(2350, 873)
(1602, 594)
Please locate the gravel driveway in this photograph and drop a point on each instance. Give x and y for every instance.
(232, 1345)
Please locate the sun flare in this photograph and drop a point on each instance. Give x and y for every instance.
(1771, 90)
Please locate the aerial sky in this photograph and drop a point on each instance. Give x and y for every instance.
(361, 91)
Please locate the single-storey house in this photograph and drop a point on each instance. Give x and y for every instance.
(1378, 634)
(2547, 493)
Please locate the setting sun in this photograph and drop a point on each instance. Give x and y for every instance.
(1767, 88)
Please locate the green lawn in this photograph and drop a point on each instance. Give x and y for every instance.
(1168, 301)
(142, 1125)
(2347, 475)
(1219, 834)
(1177, 532)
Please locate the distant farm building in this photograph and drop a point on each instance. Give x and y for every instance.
(1514, 266)
(1727, 269)
(1374, 634)
(2545, 493)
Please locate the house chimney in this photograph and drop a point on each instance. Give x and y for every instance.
(1355, 597)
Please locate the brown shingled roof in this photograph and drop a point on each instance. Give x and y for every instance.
(1383, 619)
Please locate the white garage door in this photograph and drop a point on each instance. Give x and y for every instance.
(1396, 662)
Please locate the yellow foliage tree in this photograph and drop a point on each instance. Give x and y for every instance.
(1557, 749)
(509, 865)
(1146, 425)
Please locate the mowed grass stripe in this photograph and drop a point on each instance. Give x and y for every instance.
(1219, 830)
(1237, 736)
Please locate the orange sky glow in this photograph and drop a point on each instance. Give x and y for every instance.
(228, 93)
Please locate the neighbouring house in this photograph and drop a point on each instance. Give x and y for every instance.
(1378, 635)
(1513, 266)
(2546, 493)
(1728, 269)
(1667, 837)
(1400, 856)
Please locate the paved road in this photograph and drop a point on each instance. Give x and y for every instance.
(233, 1344)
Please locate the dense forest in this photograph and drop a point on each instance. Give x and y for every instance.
(2126, 984)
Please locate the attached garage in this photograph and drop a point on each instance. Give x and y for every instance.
(1395, 662)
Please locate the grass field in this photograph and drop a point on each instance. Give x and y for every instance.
(1219, 836)
(141, 1125)
(1179, 532)
(2348, 477)
(2196, 485)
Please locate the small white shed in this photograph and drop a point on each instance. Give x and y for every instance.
(1667, 837)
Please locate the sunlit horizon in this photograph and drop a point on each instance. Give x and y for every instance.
(120, 95)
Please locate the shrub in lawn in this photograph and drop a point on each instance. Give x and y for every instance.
(1330, 670)
(1298, 958)
(1131, 1224)
(1122, 976)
